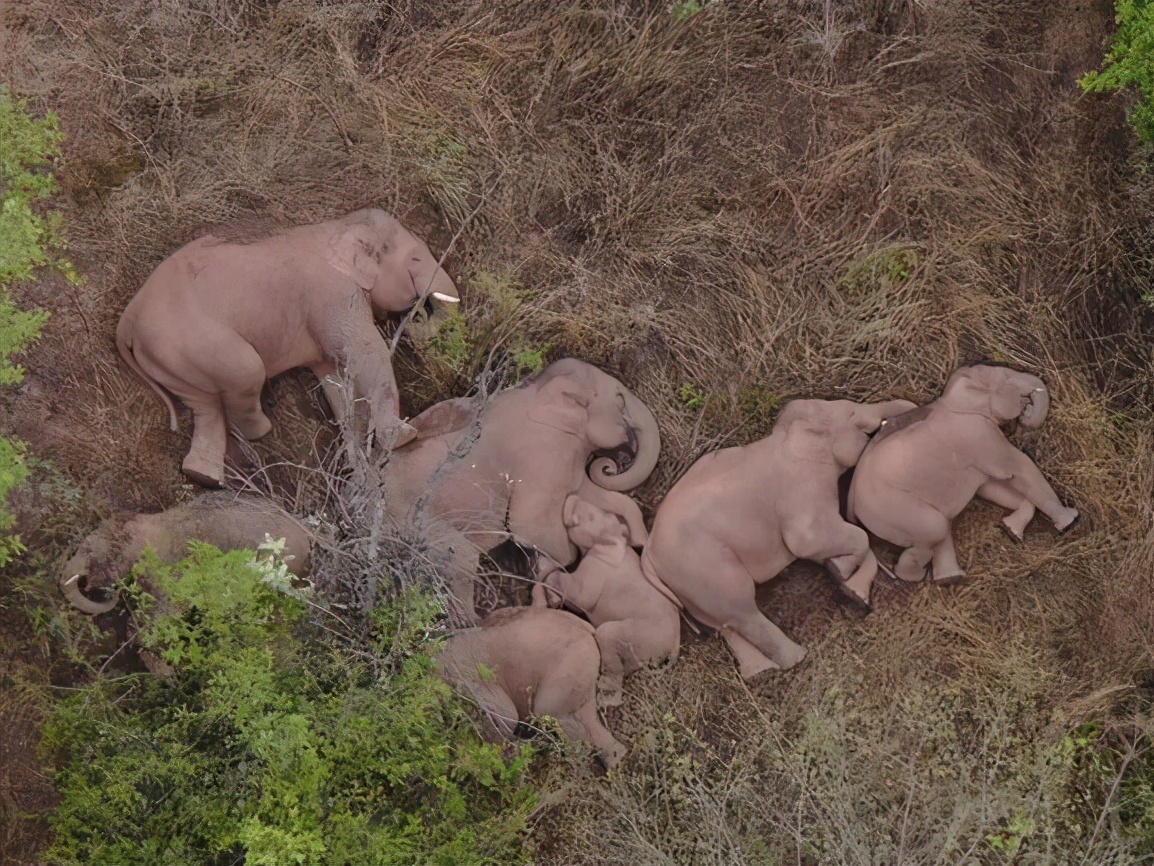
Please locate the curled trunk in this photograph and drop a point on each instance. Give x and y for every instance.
(605, 472)
(1037, 402)
(70, 586)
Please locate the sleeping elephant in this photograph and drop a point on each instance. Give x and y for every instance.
(228, 522)
(479, 474)
(637, 622)
(741, 515)
(219, 317)
(922, 469)
(528, 661)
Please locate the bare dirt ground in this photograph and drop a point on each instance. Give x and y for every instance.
(728, 209)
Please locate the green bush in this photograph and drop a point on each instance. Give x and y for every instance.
(27, 241)
(1130, 63)
(276, 743)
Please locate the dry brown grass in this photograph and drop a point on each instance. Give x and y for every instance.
(683, 203)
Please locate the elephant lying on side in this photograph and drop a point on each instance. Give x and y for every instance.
(637, 623)
(741, 515)
(925, 467)
(217, 318)
(223, 520)
(480, 474)
(527, 661)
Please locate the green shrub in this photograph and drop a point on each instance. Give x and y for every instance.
(275, 743)
(1130, 63)
(27, 241)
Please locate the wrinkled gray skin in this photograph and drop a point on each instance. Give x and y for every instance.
(229, 523)
(218, 318)
(480, 474)
(741, 515)
(637, 624)
(925, 467)
(529, 661)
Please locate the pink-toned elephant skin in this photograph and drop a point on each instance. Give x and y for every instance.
(219, 317)
(922, 469)
(481, 473)
(529, 661)
(221, 519)
(636, 623)
(741, 515)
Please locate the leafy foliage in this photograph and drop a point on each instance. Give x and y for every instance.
(27, 242)
(1130, 63)
(274, 743)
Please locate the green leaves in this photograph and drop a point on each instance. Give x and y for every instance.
(1130, 63)
(276, 743)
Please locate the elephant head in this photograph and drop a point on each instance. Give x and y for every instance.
(842, 425)
(619, 429)
(999, 393)
(92, 564)
(390, 263)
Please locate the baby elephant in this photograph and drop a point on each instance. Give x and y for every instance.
(741, 515)
(220, 316)
(922, 469)
(637, 623)
(530, 661)
(221, 519)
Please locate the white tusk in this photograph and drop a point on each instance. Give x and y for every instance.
(72, 580)
(446, 298)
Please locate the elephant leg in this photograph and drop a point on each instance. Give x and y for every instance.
(334, 391)
(843, 548)
(769, 640)
(585, 725)
(750, 660)
(613, 639)
(240, 375)
(1029, 482)
(913, 563)
(204, 463)
(499, 710)
(244, 412)
(1003, 495)
(944, 566)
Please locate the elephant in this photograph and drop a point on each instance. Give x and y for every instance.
(741, 515)
(480, 473)
(924, 467)
(223, 520)
(636, 622)
(219, 317)
(526, 661)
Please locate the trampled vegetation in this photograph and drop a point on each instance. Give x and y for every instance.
(726, 204)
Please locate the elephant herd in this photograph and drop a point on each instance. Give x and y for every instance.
(548, 464)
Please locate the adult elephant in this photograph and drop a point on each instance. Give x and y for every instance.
(480, 473)
(739, 516)
(924, 468)
(219, 317)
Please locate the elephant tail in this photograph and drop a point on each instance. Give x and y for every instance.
(124, 344)
(651, 575)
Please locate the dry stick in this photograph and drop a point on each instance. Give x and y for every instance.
(440, 262)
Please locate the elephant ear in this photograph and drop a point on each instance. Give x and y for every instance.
(848, 444)
(562, 406)
(357, 255)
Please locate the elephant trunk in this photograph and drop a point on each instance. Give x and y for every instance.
(1036, 402)
(70, 586)
(606, 473)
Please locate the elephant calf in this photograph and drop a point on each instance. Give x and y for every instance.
(919, 472)
(530, 661)
(741, 515)
(221, 519)
(637, 623)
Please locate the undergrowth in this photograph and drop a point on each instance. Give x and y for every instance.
(275, 743)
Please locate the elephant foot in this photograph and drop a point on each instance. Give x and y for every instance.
(256, 429)
(607, 698)
(952, 578)
(1069, 519)
(1012, 531)
(857, 589)
(914, 571)
(206, 473)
